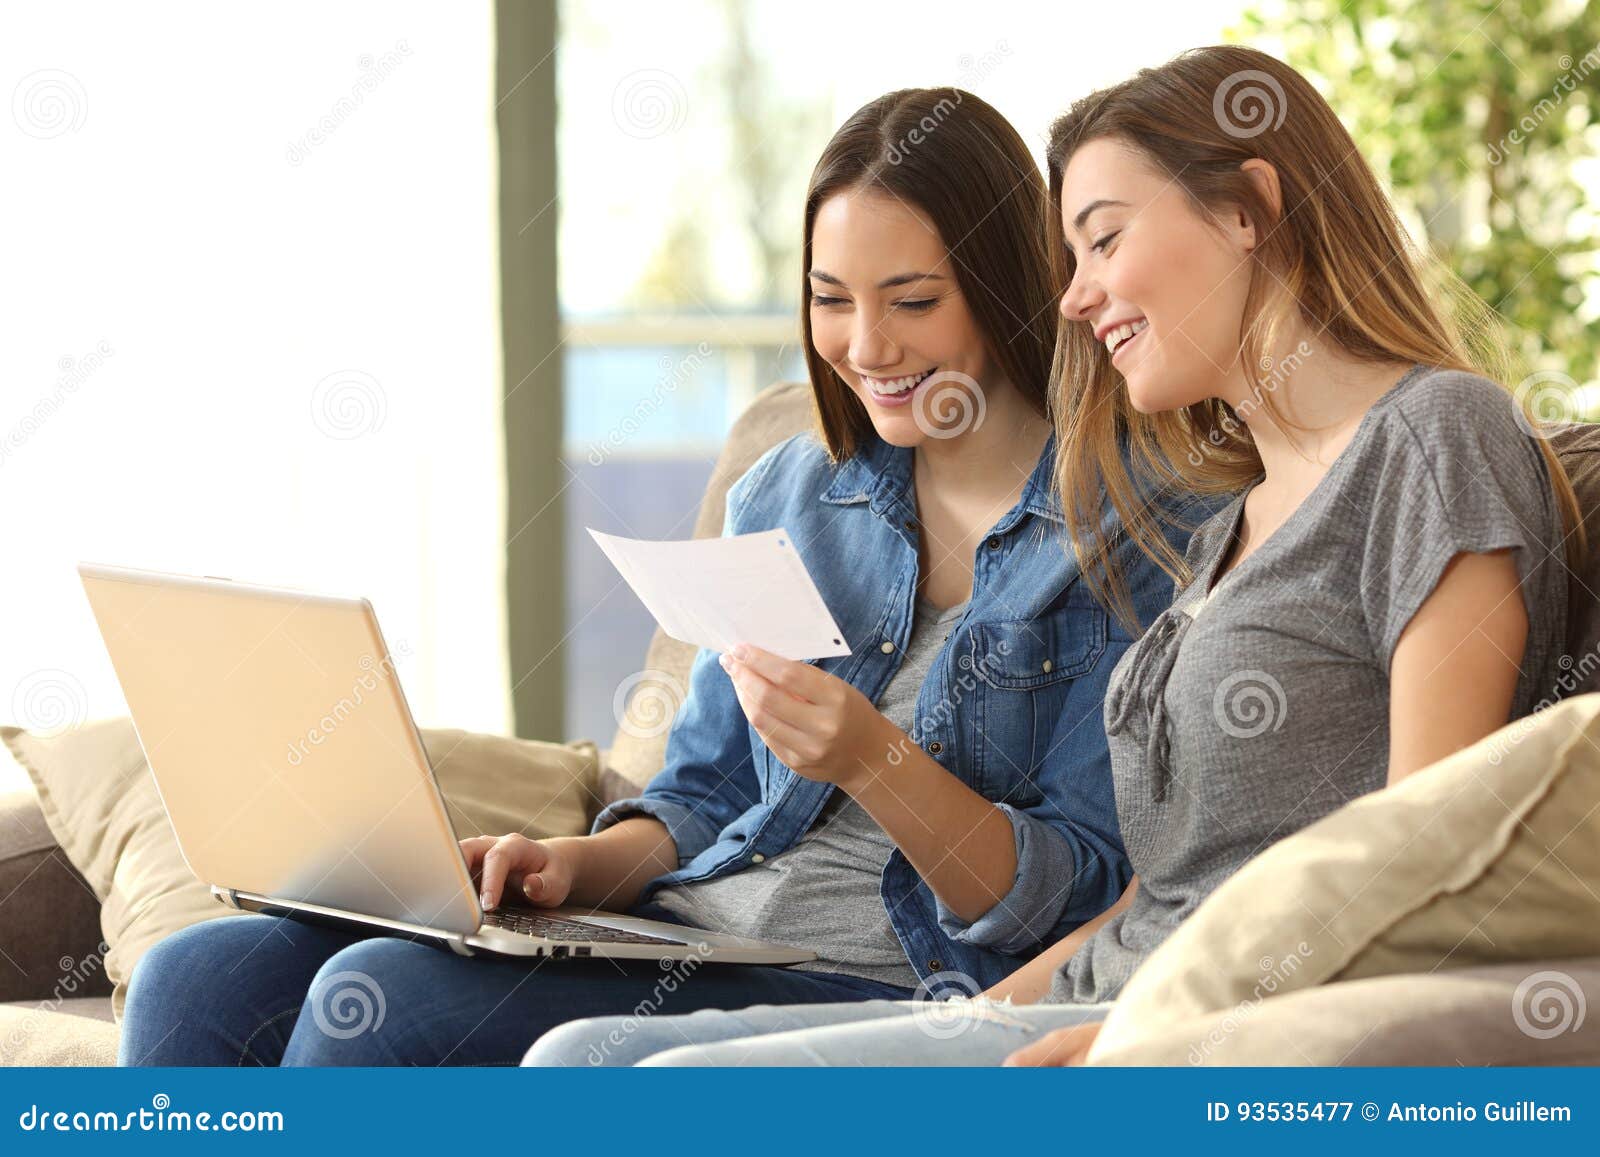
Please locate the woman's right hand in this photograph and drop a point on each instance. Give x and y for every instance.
(541, 870)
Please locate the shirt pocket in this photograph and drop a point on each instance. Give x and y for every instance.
(1024, 669)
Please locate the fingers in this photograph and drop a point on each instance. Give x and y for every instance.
(506, 862)
(1064, 1046)
(472, 849)
(798, 679)
(759, 696)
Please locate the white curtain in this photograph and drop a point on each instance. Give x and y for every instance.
(250, 328)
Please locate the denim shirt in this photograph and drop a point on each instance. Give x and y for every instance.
(1012, 706)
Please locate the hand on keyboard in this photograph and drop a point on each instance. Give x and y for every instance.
(541, 871)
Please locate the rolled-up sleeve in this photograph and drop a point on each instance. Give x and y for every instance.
(1027, 916)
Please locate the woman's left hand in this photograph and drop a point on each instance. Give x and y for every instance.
(816, 723)
(1064, 1046)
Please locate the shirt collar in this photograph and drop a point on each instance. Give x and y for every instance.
(880, 474)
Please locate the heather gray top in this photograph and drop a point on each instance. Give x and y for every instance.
(823, 893)
(1240, 718)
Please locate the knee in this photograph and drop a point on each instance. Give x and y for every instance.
(580, 1044)
(345, 1019)
(193, 957)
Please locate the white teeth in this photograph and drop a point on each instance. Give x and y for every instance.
(1123, 332)
(894, 385)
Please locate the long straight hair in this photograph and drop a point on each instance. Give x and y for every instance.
(950, 155)
(1338, 256)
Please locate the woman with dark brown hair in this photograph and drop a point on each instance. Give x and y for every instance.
(1242, 309)
(933, 808)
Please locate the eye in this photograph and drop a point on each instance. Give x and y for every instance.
(917, 305)
(821, 299)
(1100, 245)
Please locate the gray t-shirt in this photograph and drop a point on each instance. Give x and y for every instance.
(1242, 717)
(825, 892)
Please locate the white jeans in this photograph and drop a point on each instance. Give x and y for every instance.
(961, 1031)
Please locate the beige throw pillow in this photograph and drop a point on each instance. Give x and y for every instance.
(1490, 855)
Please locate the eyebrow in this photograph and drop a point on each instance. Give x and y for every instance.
(886, 283)
(1083, 214)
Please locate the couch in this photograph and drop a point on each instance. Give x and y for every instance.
(56, 1010)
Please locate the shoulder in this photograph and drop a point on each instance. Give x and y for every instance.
(1442, 407)
(1451, 430)
(795, 471)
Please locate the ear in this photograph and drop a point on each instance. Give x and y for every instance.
(1265, 178)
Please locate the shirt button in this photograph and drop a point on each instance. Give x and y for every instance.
(1047, 665)
(886, 647)
(935, 965)
(935, 747)
(994, 542)
(758, 858)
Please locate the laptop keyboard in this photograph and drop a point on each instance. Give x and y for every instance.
(559, 928)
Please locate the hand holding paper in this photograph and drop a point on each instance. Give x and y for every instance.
(718, 592)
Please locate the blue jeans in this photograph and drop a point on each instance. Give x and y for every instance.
(268, 990)
(872, 1032)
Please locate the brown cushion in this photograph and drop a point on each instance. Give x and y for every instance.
(49, 916)
(777, 413)
(100, 801)
(1578, 448)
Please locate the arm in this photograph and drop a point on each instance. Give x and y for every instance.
(1006, 878)
(1464, 647)
(825, 729)
(961, 845)
(612, 867)
(1028, 984)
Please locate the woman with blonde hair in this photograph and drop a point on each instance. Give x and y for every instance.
(1242, 308)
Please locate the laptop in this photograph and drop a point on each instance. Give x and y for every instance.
(296, 781)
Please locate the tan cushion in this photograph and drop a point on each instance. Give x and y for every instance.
(1490, 855)
(41, 1035)
(636, 754)
(1527, 1013)
(100, 802)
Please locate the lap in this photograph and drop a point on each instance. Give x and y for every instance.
(270, 990)
(401, 1002)
(619, 1041)
(973, 1032)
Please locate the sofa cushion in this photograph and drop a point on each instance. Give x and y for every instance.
(1490, 855)
(1527, 1013)
(636, 754)
(78, 1033)
(49, 916)
(1578, 447)
(97, 795)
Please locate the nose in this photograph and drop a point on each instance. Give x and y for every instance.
(1082, 298)
(871, 345)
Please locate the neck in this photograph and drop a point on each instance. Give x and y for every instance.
(993, 458)
(1322, 394)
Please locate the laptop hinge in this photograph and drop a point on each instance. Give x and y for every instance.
(227, 896)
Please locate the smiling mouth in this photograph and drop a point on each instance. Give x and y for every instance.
(892, 387)
(1123, 335)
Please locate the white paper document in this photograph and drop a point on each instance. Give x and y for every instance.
(715, 592)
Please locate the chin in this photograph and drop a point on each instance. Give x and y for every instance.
(905, 434)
